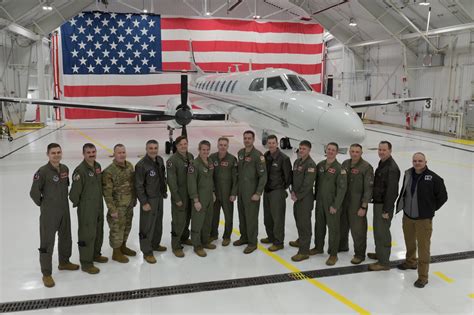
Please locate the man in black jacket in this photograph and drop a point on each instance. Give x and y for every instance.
(384, 195)
(150, 183)
(423, 192)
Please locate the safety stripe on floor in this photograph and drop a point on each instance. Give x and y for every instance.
(51, 303)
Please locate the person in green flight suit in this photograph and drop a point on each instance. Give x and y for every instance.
(201, 192)
(177, 171)
(86, 195)
(49, 191)
(252, 177)
(225, 179)
(330, 188)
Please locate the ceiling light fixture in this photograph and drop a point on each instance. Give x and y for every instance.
(352, 22)
(145, 11)
(47, 8)
(424, 3)
(256, 17)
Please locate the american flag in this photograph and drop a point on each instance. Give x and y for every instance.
(108, 57)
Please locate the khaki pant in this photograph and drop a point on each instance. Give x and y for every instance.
(418, 232)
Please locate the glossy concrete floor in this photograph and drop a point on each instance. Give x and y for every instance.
(450, 290)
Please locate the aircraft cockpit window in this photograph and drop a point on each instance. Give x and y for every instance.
(294, 82)
(228, 86)
(275, 83)
(233, 86)
(256, 85)
(306, 84)
(222, 86)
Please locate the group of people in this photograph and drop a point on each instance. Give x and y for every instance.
(199, 187)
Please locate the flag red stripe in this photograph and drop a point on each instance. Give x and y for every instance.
(316, 87)
(240, 25)
(120, 90)
(224, 66)
(246, 47)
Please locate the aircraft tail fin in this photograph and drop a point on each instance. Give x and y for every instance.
(192, 60)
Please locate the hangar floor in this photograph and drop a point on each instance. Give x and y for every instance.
(180, 285)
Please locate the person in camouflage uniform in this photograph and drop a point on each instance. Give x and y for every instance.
(225, 179)
(86, 195)
(118, 184)
(49, 191)
(201, 192)
(330, 189)
(177, 166)
(252, 177)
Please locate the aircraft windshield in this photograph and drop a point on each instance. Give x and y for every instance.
(306, 84)
(275, 83)
(294, 82)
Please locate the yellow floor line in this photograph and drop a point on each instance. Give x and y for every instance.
(370, 228)
(471, 295)
(463, 141)
(299, 275)
(276, 257)
(92, 140)
(443, 277)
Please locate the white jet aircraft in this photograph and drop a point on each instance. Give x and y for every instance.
(271, 101)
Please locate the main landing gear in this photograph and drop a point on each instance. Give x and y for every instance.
(285, 144)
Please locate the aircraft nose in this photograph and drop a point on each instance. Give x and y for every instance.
(342, 126)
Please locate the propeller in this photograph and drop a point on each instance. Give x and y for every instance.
(183, 114)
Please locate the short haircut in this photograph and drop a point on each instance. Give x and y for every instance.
(420, 153)
(333, 144)
(180, 138)
(356, 145)
(387, 143)
(152, 141)
(249, 132)
(204, 142)
(52, 146)
(223, 139)
(87, 146)
(272, 137)
(118, 145)
(305, 143)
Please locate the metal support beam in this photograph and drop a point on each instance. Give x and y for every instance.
(18, 29)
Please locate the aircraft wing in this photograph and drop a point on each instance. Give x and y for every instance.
(362, 104)
(158, 113)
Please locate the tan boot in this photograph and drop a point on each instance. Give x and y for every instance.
(91, 270)
(378, 267)
(159, 248)
(356, 260)
(331, 260)
(226, 242)
(68, 266)
(210, 246)
(150, 259)
(240, 242)
(200, 252)
(313, 251)
(274, 247)
(118, 256)
(127, 251)
(101, 259)
(249, 249)
(48, 281)
(295, 243)
(299, 257)
(265, 240)
(178, 253)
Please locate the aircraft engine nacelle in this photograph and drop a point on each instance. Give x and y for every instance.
(183, 114)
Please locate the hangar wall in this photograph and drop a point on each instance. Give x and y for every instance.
(378, 72)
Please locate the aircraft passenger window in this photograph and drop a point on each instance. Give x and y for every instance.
(217, 86)
(212, 84)
(275, 83)
(256, 85)
(233, 86)
(199, 85)
(207, 85)
(222, 86)
(306, 84)
(228, 86)
(295, 83)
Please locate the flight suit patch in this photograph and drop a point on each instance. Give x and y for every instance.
(56, 178)
(224, 163)
(332, 170)
(152, 173)
(355, 171)
(91, 173)
(36, 176)
(217, 163)
(262, 158)
(343, 172)
(311, 170)
(191, 169)
(64, 175)
(428, 177)
(76, 177)
(321, 169)
(300, 168)
(275, 164)
(241, 157)
(97, 171)
(169, 164)
(248, 159)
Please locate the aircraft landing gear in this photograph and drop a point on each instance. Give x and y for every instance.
(171, 144)
(264, 138)
(285, 144)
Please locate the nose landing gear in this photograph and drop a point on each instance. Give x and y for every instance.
(171, 144)
(285, 144)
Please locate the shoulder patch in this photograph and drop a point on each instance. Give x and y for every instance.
(169, 164)
(190, 169)
(311, 170)
(76, 177)
(343, 172)
(262, 158)
(36, 176)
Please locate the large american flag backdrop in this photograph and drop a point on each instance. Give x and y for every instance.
(110, 57)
